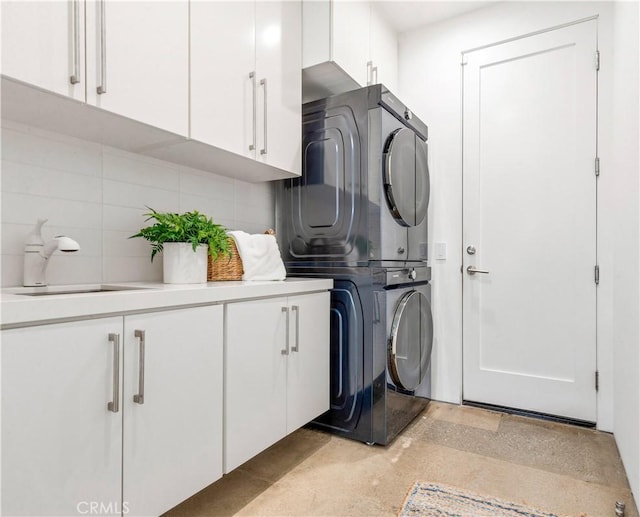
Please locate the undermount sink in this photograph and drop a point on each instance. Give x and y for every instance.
(83, 290)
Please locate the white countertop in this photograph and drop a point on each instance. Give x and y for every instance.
(18, 309)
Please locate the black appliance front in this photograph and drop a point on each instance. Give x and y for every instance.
(370, 329)
(351, 395)
(364, 191)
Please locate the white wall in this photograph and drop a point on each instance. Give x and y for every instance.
(624, 170)
(97, 195)
(430, 83)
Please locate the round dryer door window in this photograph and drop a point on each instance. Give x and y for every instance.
(411, 341)
(406, 177)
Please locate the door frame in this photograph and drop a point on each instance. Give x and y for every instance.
(463, 62)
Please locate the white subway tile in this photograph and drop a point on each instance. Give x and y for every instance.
(26, 209)
(74, 269)
(71, 156)
(12, 266)
(23, 178)
(209, 185)
(97, 195)
(229, 224)
(118, 193)
(132, 269)
(215, 208)
(255, 214)
(254, 227)
(132, 168)
(118, 244)
(262, 194)
(124, 219)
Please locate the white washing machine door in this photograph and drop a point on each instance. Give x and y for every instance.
(406, 177)
(411, 341)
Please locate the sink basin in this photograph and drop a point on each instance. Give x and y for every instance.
(83, 290)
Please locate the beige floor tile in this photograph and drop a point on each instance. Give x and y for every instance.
(311, 473)
(581, 453)
(224, 498)
(464, 415)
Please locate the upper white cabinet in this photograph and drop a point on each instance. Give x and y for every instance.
(349, 30)
(138, 60)
(346, 45)
(383, 50)
(245, 80)
(43, 45)
(278, 64)
(222, 87)
(211, 85)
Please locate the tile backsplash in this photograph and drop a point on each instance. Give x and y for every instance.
(97, 195)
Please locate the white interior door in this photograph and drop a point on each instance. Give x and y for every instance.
(530, 223)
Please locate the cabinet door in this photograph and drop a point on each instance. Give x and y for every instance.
(61, 446)
(173, 435)
(384, 50)
(308, 365)
(223, 92)
(43, 44)
(351, 38)
(279, 100)
(139, 53)
(255, 378)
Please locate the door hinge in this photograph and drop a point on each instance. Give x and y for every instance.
(597, 60)
(597, 166)
(597, 274)
(597, 380)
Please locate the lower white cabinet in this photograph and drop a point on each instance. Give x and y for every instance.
(61, 447)
(277, 371)
(73, 437)
(172, 435)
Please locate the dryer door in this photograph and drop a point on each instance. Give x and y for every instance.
(411, 341)
(406, 177)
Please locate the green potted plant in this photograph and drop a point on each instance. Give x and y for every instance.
(185, 240)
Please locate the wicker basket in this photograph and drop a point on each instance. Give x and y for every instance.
(225, 268)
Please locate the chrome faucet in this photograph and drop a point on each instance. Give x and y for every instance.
(37, 254)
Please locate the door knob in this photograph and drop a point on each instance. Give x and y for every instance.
(472, 271)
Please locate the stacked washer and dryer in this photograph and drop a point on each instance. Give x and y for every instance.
(358, 215)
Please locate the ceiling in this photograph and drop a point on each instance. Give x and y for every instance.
(407, 15)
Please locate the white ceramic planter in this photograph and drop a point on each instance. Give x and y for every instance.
(181, 265)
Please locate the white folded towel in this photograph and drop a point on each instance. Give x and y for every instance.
(260, 256)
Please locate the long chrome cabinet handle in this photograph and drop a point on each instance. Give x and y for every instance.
(252, 76)
(374, 70)
(296, 309)
(114, 405)
(75, 27)
(263, 82)
(286, 349)
(472, 271)
(369, 72)
(139, 397)
(102, 87)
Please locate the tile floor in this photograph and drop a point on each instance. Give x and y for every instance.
(559, 468)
